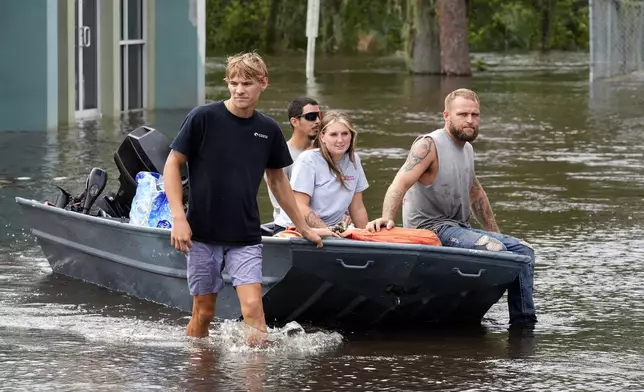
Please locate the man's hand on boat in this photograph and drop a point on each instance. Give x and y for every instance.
(181, 234)
(326, 232)
(315, 234)
(375, 225)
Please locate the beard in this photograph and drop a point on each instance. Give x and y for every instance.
(312, 136)
(461, 135)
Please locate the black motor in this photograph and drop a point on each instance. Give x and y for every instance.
(94, 185)
(144, 149)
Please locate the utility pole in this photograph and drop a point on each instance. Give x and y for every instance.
(312, 21)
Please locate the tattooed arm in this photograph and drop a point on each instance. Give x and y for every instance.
(420, 158)
(481, 208)
(279, 185)
(312, 219)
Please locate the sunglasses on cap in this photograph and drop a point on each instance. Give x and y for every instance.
(311, 116)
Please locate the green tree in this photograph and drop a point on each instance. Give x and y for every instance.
(383, 26)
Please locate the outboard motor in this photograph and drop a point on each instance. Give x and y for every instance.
(94, 185)
(144, 149)
(67, 201)
(107, 206)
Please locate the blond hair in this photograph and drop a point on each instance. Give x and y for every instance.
(332, 117)
(461, 92)
(248, 65)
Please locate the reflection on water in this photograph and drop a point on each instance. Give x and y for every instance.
(561, 161)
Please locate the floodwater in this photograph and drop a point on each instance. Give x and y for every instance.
(562, 162)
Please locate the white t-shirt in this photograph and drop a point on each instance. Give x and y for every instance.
(287, 170)
(329, 198)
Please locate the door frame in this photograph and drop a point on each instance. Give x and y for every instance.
(83, 113)
(125, 43)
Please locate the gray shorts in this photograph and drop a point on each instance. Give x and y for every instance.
(206, 265)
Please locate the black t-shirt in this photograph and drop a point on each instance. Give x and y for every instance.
(227, 156)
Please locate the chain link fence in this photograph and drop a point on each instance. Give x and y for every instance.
(616, 38)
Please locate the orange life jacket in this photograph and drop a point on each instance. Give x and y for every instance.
(288, 233)
(398, 235)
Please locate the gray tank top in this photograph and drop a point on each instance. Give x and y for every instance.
(447, 200)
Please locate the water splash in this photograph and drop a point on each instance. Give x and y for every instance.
(231, 336)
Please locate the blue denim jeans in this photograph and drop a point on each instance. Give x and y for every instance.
(520, 302)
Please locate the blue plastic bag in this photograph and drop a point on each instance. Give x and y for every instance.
(150, 205)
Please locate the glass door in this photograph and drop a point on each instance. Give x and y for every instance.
(133, 60)
(86, 58)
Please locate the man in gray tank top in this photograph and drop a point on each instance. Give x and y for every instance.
(438, 190)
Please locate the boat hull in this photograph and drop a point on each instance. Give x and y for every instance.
(345, 282)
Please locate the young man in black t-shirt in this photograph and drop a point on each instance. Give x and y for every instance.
(228, 145)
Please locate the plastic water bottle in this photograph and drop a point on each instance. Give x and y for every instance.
(150, 205)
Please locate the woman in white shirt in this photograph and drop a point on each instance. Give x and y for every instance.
(329, 180)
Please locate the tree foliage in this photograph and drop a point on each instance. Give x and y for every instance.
(348, 26)
(496, 25)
